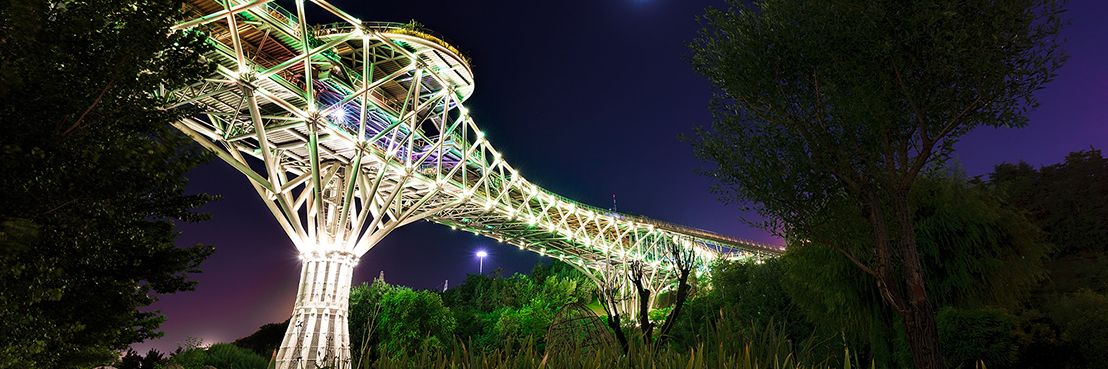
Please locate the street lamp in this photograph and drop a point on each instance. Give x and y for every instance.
(481, 256)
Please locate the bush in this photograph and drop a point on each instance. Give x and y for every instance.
(527, 324)
(1083, 317)
(409, 319)
(751, 293)
(969, 335)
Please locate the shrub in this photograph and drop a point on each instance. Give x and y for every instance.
(526, 324)
(1083, 317)
(409, 319)
(969, 335)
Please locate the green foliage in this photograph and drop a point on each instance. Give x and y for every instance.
(977, 250)
(393, 319)
(527, 324)
(221, 356)
(839, 300)
(93, 176)
(660, 314)
(1083, 318)
(754, 290)
(986, 334)
(396, 319)
(20, 347)
(1068, 200)
(493, 311)
(750, 293)
(411, 319)
(365, 307)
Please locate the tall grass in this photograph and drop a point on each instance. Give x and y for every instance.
(723, 346)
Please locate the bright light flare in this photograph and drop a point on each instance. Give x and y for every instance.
(339, 116)
(482, 254)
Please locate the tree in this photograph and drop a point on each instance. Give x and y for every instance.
(365, 307)
(267, 339)
(681, 270)
(1068, 200)
(93, 176)
(848, 102)
(132, 360)
(979, 252)
(748, 297)
(525, 325)
(639, 280)
(220, 355)
(755, 290)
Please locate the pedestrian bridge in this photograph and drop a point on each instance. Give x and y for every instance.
(349, 130)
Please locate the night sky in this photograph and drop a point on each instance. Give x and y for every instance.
(586, 98)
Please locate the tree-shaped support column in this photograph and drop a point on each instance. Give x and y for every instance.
(318, 333)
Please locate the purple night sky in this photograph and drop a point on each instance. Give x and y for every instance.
(610, 79)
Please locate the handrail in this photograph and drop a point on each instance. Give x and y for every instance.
(412, 28)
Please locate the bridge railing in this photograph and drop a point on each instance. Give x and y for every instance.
(411, 28)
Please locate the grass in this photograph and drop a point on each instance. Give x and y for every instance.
(720, 347)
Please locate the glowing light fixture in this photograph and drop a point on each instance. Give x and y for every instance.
(481, 255)
(339, 116)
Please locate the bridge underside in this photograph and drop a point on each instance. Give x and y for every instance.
(350, 130)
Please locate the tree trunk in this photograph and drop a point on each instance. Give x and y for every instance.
(617, 329)
(637, 279)
(923, 336)
(918, 315)
(682, 295)
(644, 314)
(607, 295)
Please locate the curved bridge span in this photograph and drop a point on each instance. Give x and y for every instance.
(352, 129)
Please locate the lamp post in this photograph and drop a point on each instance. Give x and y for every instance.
(481, 256)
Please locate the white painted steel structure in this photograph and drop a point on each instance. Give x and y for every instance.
(350, 130)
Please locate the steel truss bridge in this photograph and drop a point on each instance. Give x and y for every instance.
(352, 129)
